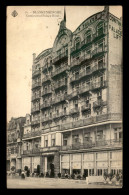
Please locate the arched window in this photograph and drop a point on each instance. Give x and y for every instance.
(100, 29)
(77, 43)
(88, 36)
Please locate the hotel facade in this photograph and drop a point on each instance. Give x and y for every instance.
(76, 102)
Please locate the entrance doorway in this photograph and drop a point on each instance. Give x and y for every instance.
(50, 165)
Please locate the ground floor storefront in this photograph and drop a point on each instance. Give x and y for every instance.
(91, 163)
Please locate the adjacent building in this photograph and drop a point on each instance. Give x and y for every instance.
(76, 102)
(14, 143)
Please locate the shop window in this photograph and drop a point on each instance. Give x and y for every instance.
(91, 172)
(99, 172)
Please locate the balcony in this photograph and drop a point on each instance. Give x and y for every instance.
(98, 36)
(60, 84)
(75, 50)
(35, 122)
(50, 148)
(46, 92)
(92, 120)
(112, 143)
(73, 94)
(59, 99)
(84, 89)
(97, 51)
(35, 85)
(97, 85)
(33, 151)
(35, 109)
(45, 119)
(99, 103)
(76, 62)
(36, 73)
(35, 97)
(59, 71)
(85, 43)
(56, 115)
(81, 75)
(45, 105)
(46, 78)
(85, 107)
(62, 114)
(46, 66)
(98, 67)
(60, 57)
(74, 110)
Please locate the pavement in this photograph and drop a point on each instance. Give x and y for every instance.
(52, 183)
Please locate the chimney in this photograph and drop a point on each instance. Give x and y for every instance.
(34, 56)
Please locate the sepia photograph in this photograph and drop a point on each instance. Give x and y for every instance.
(64, 97)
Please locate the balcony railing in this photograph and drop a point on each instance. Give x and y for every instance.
(98, 67)
(33, 151)
(46, 78)
(59, 71)
(97, 51)
(97, 85)
(45, 119)
(50, 148)
(99, 103)
(85, 107)
(35, 122)
(76, 62)
(73, 94)
(38, 84)
(35, 109)
(36, 73)
(32, 134)
(45, 92)
(91, 144)
(45, 105)
(58, 99)
(92, 120)
(82, 74)
(35, 97)
(74, 110)
(60, 84)
(84, 89)
(60, 57)
(47, 65)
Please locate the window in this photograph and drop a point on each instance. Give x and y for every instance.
(53, 136)
(100, 29)
(77, 43)
(88, 37)
(99, 172)
(99, 96)
(91, 172)
(87, 137)
(118, 134)
(99, 135)
(46, 141)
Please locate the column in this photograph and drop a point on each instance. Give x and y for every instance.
(95, 171)
(82, 170)
(45, 165)
(70, 164)
(60, 164)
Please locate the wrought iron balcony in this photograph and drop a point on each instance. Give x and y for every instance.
(97, 85)
(45, 119)
(76, 62)
(86, 43)
(75, 49)
(92, 120)
(35, 122)
(46, 92)
(35, 109)
(35, 97)
(59, 71)
(85, 107)
(73, 94)
(46, 66)
(98, 67)
(46, 78)
(56, 115)
(63, 114)
(45, 105)
(35, 85)
(36, 73)
(84, 89)
(99, 103)
(32, 151)
(58, 99)
(60, 84)
(97, 51)
(90, 144)
(81, 75)
(50, 148)
(60, 57)
(74, 110)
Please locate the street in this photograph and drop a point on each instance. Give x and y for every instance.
(49, 183)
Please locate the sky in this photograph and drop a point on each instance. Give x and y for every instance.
(33, 30)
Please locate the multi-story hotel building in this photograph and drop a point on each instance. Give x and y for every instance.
(77, 100)
(14, 143)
